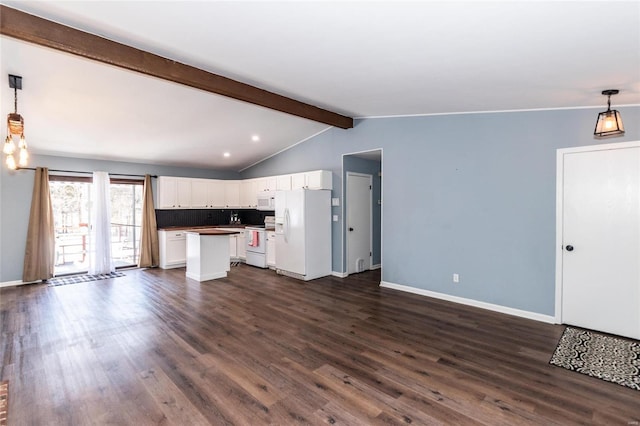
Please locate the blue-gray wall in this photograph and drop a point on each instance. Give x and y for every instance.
(472, 194)
(15, 199)
(373, 168)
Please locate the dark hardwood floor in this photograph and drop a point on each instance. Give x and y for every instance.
(256, 348)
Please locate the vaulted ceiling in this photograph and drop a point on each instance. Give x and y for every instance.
(357, 59)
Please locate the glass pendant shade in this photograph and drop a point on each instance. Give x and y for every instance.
(23, 158)
(9, 146)
(11, 162)
(609, 123)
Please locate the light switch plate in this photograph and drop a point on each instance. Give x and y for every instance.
(335, 202)
(335, 217)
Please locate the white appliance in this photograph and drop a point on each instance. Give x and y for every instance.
(255, 239)
(266, 200)
(303, 233)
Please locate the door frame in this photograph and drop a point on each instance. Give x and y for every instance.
(370, 205)
(343, 243)
(560, 208)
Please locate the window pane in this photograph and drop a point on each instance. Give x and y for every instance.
(126, 216)
(70, 202)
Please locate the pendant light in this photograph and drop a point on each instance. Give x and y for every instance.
(609, 122)
(15, 127)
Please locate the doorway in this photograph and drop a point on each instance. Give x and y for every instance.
(362, 211)
(598, 238)
(71, 204)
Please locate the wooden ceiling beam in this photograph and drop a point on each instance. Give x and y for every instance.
(33, 29)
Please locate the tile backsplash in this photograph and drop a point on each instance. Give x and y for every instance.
(213, 217)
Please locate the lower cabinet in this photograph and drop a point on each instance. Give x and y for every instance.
(242, 246)
(173, 249)
(237, 248)
(271, 249)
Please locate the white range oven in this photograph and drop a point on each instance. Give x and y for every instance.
(256, 245)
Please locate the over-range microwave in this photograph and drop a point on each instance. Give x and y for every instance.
(266, 200)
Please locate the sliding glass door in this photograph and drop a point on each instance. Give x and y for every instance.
(71, 200)
(126, 216)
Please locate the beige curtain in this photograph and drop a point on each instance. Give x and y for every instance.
(149, 248)
(40, 252)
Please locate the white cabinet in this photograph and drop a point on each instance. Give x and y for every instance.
(173, 249)
(233, 246)
(184, 193)
(216, 193)
(237, 247)
(249, 193)
(298, 181)
(174, 192)
(232, 193)
(283, 183)
(271, 249)
(200, 193)
(319, 179)
(266, 184)
(241, 247)
(207, 193)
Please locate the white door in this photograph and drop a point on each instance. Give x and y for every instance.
(358, 222)
(600, 241)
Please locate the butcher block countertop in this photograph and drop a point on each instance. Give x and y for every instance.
(212, 231)
(196, 228)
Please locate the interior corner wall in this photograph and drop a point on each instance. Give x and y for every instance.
(16, 188)
(472, 194)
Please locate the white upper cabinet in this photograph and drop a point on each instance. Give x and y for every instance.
(283, 183)
(266, 184)
(232, 193)
(207, 194)
(216, 191)
(319, 179)
(174, 192)
(167, 192)
(184, 193)
(298, 181)
(249, 193)
(200, 193)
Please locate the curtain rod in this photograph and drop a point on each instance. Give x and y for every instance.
(87, 173)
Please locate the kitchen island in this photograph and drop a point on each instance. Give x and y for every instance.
(208, 253)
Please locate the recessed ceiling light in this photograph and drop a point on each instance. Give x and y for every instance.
(255, 138)
(226, 155)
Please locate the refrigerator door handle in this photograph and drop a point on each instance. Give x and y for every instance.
(287, 220)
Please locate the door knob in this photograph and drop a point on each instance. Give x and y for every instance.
(350, 229)
(569, 248)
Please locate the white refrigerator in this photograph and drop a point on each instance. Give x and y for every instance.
(303, 233)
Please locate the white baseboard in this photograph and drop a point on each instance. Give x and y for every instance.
(15, 283)
(339, 274)
(470, 302)
(378, 266)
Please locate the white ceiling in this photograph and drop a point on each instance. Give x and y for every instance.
(361, 59)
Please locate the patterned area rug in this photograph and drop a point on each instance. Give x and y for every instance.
(74, 279)
(4, 402)
(606, 357)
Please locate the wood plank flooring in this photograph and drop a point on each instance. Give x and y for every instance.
(256, 348)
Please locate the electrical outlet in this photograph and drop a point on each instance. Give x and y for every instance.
(456, 278)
